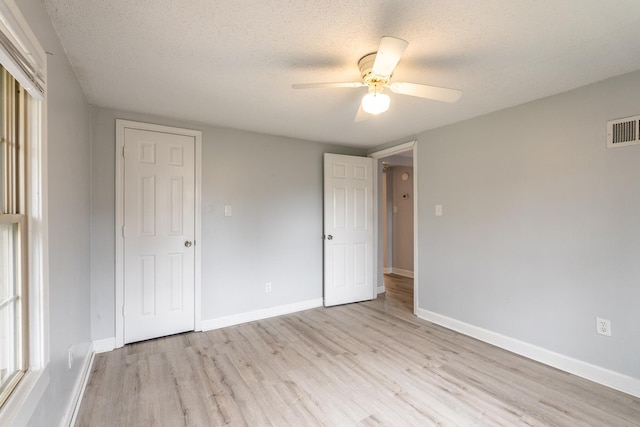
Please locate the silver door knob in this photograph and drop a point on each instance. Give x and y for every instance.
(187, 244)
(329, 237)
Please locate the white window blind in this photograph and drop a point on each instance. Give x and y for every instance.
(20, 53)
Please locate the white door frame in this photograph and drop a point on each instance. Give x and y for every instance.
(121, 125)
(411, 145)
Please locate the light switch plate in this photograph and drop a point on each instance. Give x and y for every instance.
(438, 210)
(228, 211)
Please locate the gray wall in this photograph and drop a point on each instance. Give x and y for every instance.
(275, 187)
(540, 228)
(69, 220)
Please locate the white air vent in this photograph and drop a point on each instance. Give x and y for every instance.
(623, 132)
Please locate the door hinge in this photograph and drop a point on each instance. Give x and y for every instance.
(123, 231)
(123, 310)
(123, 151)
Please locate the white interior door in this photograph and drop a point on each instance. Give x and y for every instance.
(348, 229)
(159, 230)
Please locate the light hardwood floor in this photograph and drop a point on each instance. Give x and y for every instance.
(368, 364)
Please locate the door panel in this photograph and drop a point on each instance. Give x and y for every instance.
(159, 217)
(348, 229)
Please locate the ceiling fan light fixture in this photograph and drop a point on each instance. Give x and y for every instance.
(376, 70)
(375, 103)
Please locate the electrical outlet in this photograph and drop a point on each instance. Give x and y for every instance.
(603, 326)
(267, 287)
(70, 357)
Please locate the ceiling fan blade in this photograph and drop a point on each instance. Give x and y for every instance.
(361, 115)
(426, 91)
(388, 55)
(326, 85)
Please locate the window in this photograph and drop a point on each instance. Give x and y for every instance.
(13, 236)
(24, 330)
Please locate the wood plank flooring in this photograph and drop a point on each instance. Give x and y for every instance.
(366, 364)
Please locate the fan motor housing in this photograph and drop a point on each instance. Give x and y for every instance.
(366, 71)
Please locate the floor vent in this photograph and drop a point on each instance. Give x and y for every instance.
(623, 132)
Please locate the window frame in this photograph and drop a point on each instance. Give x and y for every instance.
(20, 300)
(22, 402)
(15, 144)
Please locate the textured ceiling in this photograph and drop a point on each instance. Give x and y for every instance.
(232, 63)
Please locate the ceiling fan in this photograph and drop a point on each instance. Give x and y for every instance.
(377, 69)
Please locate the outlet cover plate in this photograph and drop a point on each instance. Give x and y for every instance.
(70, 357)
(603, 326)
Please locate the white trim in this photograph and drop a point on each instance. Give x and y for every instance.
(265, 313)
(401, 272)
(38, 239)
(411, 145)
(119, 218)
(381, 290)
(568, 364)
(197, 240)
(406, 146)
(416, 222)
(121, 125)
(388, 270)
(104, 345)
(70, 414)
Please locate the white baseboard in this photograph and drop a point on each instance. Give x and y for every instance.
(98, 346)
(381, 289)
(264, 313)
(104, 345)
(108, 344)
(388, 270)
(568, 364)
(401, 272)
(69, 418)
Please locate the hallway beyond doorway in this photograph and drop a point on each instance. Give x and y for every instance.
(398, 291)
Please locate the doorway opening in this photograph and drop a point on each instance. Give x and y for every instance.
(397, 227)
(397, 230)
